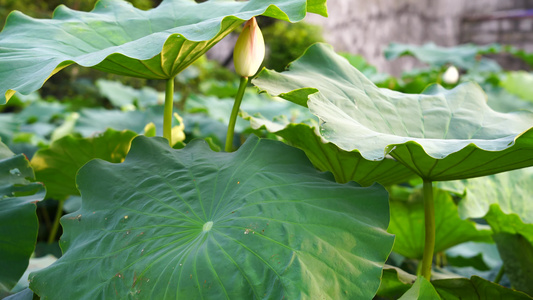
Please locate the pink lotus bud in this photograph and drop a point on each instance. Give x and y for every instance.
(249, 50)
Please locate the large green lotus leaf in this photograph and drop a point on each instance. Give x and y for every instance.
(94, 120)
(520, 84)
(219, 109)
(520, 53)
(476, 288)
(508, 223)
(5, 152)
(504, 201)
(370, 71)
(345, 166)
(514, 239)
(517, 256)
(501, 100)
(511, 194)
(116, 37)
(8, 126)
(258, 223)
(481, 256)
(421, 289)
(201, 125)
(467, 56)
(440, 134)
(57, 165)
(36, 263)
(25, 294)
(125, 97)
(394, 282)
(209, 115)
(407, 223)
(39, 118)
(41, 111)
(475, 262)
(18, 220)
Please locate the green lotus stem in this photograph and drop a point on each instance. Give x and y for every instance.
(55, 227)
(167, 114)
(46, 217)
(499, 275)
(429, 245)
(234, 113)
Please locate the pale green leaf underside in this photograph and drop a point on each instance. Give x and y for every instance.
(440, 134)
(258, 223)
(116, 37)
(345, 166)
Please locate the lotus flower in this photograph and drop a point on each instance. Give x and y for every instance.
(249, 50)
(451, 76)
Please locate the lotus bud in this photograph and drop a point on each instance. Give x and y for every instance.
(249, 50)
(451, 76)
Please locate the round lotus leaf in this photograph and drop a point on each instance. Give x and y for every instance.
(259, 223)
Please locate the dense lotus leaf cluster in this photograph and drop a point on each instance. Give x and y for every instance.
(336, 185)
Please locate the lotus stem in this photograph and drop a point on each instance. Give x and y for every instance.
(55, 227)
(167, 114)
(429, 214)
(234, 113)
(499, 275)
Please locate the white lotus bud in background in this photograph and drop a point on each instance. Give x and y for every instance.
(451, 76)
(249, 50)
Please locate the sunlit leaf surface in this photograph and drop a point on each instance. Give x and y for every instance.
(57, 165)
(115, 37)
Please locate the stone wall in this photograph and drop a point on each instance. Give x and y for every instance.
(366, 27)
(511, 27)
